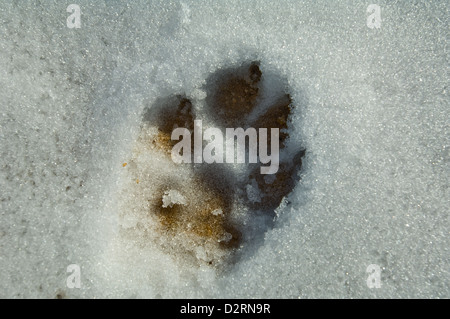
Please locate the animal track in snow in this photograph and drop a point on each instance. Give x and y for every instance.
(203, 212)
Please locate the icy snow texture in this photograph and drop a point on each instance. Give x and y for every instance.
(374, 119)
(173, 197)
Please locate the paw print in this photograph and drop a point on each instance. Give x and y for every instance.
(205, 213)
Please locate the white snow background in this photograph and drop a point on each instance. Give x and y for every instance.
(373, 115)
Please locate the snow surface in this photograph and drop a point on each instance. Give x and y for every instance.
(373, 115)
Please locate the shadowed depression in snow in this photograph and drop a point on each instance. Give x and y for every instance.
(206, 210)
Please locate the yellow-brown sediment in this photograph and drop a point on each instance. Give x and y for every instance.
(163, 142)
(196, 216)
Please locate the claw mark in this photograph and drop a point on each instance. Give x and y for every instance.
(277, 116)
